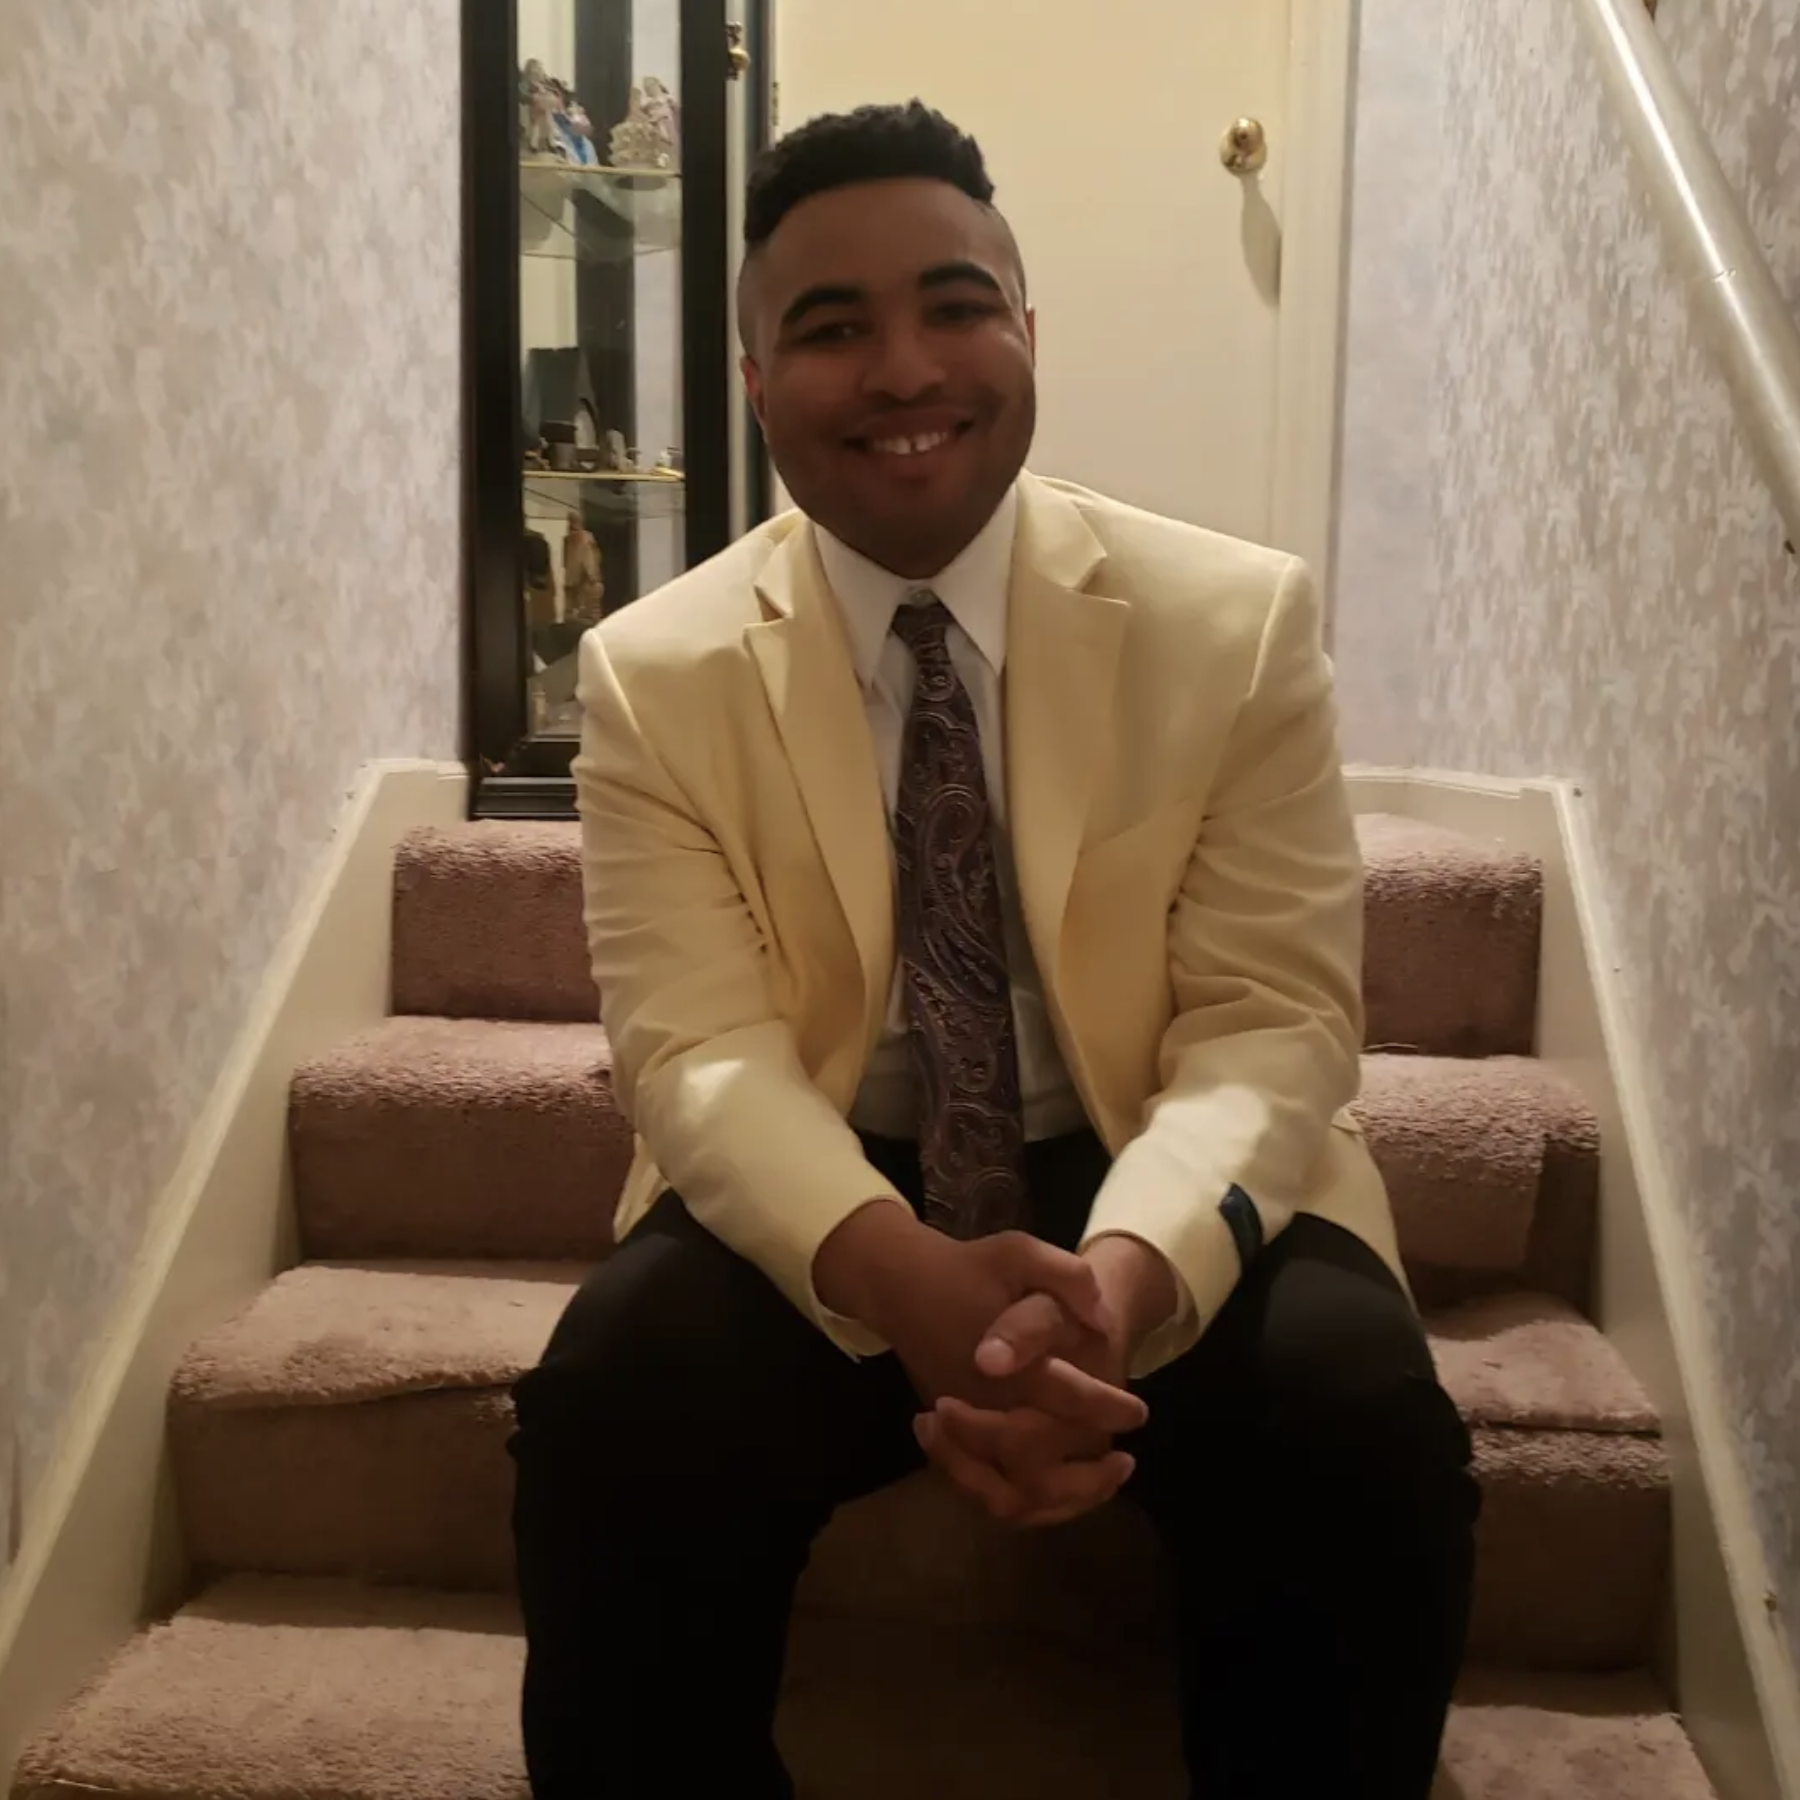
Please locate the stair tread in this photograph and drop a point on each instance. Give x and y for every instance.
(460, 1103)
(409, 1049)
(278, 1689)
(487, 923)
(543, 843)
(1394, 838)
(332, 1334)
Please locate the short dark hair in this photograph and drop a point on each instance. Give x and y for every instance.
(873, 143)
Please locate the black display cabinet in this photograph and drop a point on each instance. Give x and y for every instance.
(608, 447)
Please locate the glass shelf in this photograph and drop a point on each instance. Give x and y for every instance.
(648, 201)
(618, 493)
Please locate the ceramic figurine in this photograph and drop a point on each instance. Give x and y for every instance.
(583, 589)
(616, 453)
(574, 145)
(537, 110)
(641, 140)
(663, 111)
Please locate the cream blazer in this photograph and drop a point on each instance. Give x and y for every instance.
(1189, 872)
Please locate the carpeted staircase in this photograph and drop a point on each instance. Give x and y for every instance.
(344, 1487)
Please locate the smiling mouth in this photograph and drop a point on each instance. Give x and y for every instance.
(918, 443)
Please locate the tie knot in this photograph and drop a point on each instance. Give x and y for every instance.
(921, 624)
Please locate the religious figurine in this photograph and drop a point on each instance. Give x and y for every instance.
(663, 111)
(617, 455)
(583, 589)
(537, 110)
(552, 121)
(646, 138)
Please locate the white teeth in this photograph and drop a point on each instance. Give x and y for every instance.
(915, 446)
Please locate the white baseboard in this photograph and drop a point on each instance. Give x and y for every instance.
(99, 1551)
(1726, 1661)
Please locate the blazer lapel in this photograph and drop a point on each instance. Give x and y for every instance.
(818, 708)
(1062, 652)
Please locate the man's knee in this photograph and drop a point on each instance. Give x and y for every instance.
(1347, 1375)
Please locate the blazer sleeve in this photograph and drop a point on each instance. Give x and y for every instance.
(1265, 958)
(704, 1065)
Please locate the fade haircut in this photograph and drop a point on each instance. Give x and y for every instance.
(873, 143)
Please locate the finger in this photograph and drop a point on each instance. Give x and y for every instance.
(1059, 1388)
(1017, 1441)
(1029, 1330)
(979, 1480)
(1073, 1489)
(1035, 1265)
(1062, 1476)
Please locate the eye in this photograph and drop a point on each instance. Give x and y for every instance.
(963, 312)
(835, 331)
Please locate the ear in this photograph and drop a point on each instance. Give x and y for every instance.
(1031, 330)
(753, 384)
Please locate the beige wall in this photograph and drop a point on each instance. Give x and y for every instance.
(229, 569)
(1606, 596)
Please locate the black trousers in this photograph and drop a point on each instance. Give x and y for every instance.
(688, 1433)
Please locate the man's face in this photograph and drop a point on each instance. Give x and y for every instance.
(890, 363)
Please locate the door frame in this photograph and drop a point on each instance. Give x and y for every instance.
(1309, 346)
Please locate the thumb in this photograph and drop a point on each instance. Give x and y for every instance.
(1027, 1332)
(1065, 1277)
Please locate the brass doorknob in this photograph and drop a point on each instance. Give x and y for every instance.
(1245, 146)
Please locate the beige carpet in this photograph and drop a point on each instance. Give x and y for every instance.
(339, 1456)
(272, 1690)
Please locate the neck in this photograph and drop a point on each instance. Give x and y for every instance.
(915, 559)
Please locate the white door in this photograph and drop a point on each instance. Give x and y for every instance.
(1152, 269)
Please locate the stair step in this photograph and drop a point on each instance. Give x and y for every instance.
(459, 1138)
(477, 1138)
(1451, 936)
(353, 1421)
(299, 1690)
(487, 924)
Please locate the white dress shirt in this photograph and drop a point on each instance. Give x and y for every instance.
(974, 589)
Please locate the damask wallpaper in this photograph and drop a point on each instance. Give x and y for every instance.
(1608, 598)
(229, 567)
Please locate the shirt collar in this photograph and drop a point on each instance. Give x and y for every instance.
(973, 588)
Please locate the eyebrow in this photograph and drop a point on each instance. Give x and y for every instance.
(950, 273)
(816, 299)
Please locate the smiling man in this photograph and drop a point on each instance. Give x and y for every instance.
(976, 912)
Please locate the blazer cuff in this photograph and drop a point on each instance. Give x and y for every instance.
(1209, 1243)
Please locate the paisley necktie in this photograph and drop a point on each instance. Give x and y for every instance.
(953, 950)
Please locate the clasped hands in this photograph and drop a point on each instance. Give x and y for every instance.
(1019, 1349)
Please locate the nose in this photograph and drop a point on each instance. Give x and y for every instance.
(905, 364)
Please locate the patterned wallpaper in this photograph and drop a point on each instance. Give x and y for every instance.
(229, 567)
(1608, 600)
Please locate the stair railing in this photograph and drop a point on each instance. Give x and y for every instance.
(1748, 322)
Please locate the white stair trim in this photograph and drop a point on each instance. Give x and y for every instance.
(99, 1550)
(1724, 1657)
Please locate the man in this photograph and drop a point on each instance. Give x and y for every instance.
(976, 912)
